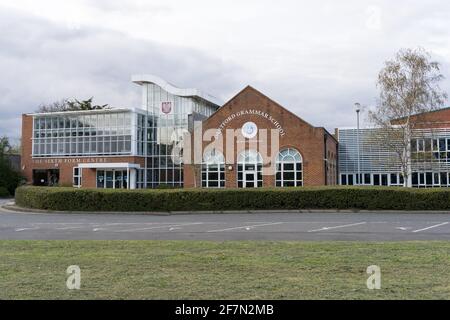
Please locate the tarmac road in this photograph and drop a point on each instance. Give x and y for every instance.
(291, 226)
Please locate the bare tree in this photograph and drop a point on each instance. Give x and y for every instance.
(56, 106)
(409, 87)
(71, 105)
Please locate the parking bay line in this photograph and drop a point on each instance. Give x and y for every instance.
(151, 228)
(337, 227)
(26, 229)
(247, 227)
(435, 226)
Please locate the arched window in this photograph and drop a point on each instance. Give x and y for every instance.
(289, 168)
(213, 169)
(249, 171)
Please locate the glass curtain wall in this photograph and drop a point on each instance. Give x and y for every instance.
(160, 135)
(108, 133)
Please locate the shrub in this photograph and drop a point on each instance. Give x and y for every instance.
(371, 198)
(4, 192)
(9, 179)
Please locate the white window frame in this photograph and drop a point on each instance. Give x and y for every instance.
(79, 176)
(249, 157)
(293, 153)
(213, 158)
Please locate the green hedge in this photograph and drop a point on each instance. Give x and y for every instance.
(70, 199)
(4, 192)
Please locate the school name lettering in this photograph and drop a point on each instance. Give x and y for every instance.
(70, 160)
(259, 113)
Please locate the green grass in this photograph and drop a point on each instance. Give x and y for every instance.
(227, 270)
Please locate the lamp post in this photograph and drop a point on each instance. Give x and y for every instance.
(358, 110)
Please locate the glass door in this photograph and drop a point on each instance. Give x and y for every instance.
(109, 179)
(124, 179)
(117, 179)
(112, 179)
(249, 179)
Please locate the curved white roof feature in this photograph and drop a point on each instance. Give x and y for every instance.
(148, 78)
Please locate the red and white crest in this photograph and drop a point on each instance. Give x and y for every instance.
(166, 107)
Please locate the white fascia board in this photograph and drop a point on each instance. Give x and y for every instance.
(111, 110)
(188, 92)
(117, 165)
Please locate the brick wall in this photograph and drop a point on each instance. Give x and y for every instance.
(298, 134)
(65, 165)
(430, 120)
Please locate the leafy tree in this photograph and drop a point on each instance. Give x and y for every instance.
(409, 87)
(9, 178)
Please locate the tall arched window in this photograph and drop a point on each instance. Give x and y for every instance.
(249, 171)
(289, 169)
(213, 169)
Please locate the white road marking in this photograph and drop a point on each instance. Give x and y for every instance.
(101, 226)
(247, 227)
(435, 226)
(68, 228)
(159, 227)
(402, 228)
(25, 229)
(337, 227)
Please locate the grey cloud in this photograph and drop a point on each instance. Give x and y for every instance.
(316, 78)
(41, 62)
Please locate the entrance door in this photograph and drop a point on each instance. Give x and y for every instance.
(249, 179)
(48, 178)
(112, 179)
(118, 180)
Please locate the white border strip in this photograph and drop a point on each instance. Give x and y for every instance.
(247, 227)
(435, 226)
(337, 227)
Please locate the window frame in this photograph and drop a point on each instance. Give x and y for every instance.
(296, 160)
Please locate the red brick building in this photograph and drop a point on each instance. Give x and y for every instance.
(135, 148)
(252, 141)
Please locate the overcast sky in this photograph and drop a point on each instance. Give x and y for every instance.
(314, 57)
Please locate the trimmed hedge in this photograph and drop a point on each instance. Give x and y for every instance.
(371, 198)
(4, 192)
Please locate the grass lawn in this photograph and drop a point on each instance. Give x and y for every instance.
(227, 270)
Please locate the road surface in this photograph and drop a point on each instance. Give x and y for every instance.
(317, 226)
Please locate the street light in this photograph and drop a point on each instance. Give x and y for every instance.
(358, 110)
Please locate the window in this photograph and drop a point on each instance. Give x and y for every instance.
(435, 145)
(79, 135)
(100, 178)
(436, 179)
(289, 169)
(427, 145)
(394, 178)
(213, 169)
(413, 145)
(249, 173)
(376, 180)
(384, 179)
(442, 146)
(429, 178)
(77, 177)
(420, 145)
(444, 180)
